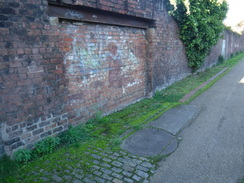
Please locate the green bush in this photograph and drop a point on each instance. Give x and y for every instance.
(46, 146)
(22, 155)
(200, 23)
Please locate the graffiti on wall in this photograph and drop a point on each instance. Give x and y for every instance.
(91, 55)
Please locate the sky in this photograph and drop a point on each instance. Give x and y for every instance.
(236, 12)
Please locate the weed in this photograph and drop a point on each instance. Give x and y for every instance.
(22, 155)
(73, 135)
(7, 168)
(46, 146)
(221, 59)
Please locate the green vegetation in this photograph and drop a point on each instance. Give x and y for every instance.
(200, 24)
(100, 133)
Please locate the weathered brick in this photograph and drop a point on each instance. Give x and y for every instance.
(38, 131)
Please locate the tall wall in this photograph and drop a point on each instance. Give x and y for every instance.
(61, 64)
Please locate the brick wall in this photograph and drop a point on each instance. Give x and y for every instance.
(139, 8)
(104, 67)
(167, 52)
(55, 72)
(32, 88)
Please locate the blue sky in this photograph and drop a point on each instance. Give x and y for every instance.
(235, 13)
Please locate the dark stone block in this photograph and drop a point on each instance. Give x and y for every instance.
(2, 17)
(58, 129)
(7, 11)
(18, 144)
(44, 124)
(14, 5)
(14, 140)
(2, 24)
(38, 131)
(31, 128)
(45, 134)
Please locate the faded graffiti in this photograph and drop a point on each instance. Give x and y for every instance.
(73, 14)
(89, 57)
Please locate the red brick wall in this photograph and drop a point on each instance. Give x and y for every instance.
(32, 88)
(167, 52)
(104, 67)
(139, 8)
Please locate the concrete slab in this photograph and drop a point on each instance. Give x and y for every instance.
(176, 119)
(171, 148)
(147, 142)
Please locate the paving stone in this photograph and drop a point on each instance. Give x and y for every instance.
(97, 173)
(77, 181)
(78, 176)
(105, 165)
(128, 168)
(152, 171)
(57, 178)
(116, 154)
(132, 163)
(142, 174)
(118, 170)
(67, 171)
(45, 179)
(96, 162)
(107, 160)
(123, 153)
(137, 161)
(78, 164)
(109, 152)
(116, 163)
(142, 168)
(47, 173)
(103, 154)
(107, 177)
(127, 180)
(67, 177)
(78, 170)
(113, 157)
(87, 180)
(144, 159)
(117, 181)
(96, 156)
(128, 174)
(124, 160)
(96, 167)
(145, 181)
(116, 175)
(104, 170)
(100, 180)
(137, 178)
(148, 165)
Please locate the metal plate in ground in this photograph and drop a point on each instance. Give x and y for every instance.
(147, 142)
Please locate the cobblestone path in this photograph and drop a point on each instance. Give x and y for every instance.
(103, 166)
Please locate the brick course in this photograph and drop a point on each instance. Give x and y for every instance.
(55, 72)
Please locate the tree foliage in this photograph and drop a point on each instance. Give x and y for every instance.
(200, 23)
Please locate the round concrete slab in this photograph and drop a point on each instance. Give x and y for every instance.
(147, 142)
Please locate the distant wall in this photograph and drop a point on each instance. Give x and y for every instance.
(63, 61)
